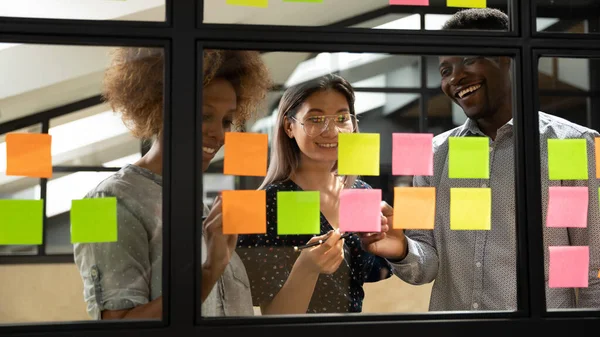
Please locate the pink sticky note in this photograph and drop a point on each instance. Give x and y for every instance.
(410, 2)
(569, 266)
(360, 210)
(412, 154)
(567, 206)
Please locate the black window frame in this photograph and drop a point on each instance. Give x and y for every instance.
(183, 35)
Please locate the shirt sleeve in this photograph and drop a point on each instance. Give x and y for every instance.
(589, 236)
(116, 275)
(268, 258)
(420, 265)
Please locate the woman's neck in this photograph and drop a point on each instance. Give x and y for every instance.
(316, 176)
(152, 160)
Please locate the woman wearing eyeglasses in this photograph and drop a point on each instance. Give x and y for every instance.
(327, 278)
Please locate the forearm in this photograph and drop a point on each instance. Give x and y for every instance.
(150, 310)
(419, 266)
(211, 272)
(295, 295)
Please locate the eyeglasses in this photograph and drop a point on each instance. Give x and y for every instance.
(316, 125)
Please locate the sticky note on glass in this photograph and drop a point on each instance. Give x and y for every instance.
(94, 220)
(249, 3)
(358, 154)
(244, 212)
(597, 152)
(412, 154)
(469, 157)
(410, 2)
(298, 212)
(29, 155)
(360, 210)
(414, 207)
(21, 222)
(467, 3)
(470, 208)
(569, 266)
(567, 206)
(567, 159)
(245, 154)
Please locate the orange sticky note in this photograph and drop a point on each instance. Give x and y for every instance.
(245, 212)
(29, 155)
(597, 148)
(414, 207)
(246, 154)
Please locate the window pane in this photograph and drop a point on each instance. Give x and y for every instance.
(473, 263)
(103, 208)
(573, 16)
(131, 10)
(375, 14)
(568, 97)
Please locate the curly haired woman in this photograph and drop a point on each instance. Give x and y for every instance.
(122, 280)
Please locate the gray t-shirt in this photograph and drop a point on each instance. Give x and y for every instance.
(128, 273)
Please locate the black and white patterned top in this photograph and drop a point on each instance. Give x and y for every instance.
(269, 259)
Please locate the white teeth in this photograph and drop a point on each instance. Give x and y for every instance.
(468, 90)
(328, 145)
(208, 150)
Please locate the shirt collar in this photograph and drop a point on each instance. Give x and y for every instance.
(470, 127)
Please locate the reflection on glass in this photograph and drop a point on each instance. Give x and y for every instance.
(573, 16)
(569, 188)
(374, 14)
(131, 10)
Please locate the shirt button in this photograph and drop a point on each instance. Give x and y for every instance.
(478, 264)
(491, 149)
(484, 185)
(475, 305)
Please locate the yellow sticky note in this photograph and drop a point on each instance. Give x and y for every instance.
(358, 154)
(249, 3)
(467, 3)
(414, 207)
(470, 208)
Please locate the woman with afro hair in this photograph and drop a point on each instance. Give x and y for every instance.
(122, 280)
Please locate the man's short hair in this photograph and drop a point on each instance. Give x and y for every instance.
(478, 18)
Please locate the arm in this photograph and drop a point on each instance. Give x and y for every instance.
(590, 236)
(117, 275)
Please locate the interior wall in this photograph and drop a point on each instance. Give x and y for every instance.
(41, 293)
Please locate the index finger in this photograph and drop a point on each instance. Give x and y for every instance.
(331, 240)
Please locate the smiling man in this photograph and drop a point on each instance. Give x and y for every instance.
(476, 269)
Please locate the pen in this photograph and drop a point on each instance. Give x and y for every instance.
(299, 248)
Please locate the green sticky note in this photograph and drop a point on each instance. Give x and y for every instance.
(567, 159)
(94, 220)
(470, 208)
(249, 3)
(298, 212)
(467, 3)
(358, 154)
(469, 158)
(21, 222)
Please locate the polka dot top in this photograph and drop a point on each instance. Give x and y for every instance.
(269, 259)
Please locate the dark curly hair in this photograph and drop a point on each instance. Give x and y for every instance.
(478, 18)
(133, 84)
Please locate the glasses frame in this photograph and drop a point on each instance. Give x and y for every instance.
(327, 117)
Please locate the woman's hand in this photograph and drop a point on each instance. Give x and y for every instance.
(326, 257)
(220, 247)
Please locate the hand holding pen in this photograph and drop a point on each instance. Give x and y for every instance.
(322, 258)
